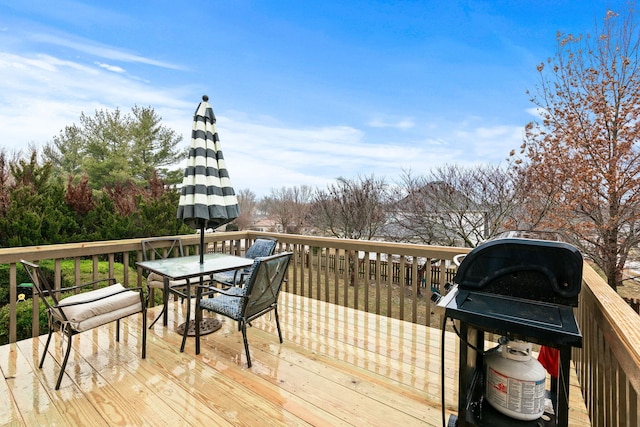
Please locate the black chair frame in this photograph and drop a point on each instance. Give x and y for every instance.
(258, 296)
(51, 298)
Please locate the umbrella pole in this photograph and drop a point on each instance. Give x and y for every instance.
(201, 241)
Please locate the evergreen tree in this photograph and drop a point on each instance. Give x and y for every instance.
(112, 148)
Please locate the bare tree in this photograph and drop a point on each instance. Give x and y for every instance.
(247, 205)
(354, 209)
(452, 205)
(581, 164)
(289, 206)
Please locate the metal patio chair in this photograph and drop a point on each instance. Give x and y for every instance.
(81, 311)
(257, 297)
(261, 247)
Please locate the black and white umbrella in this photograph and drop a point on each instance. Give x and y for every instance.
(207, 198)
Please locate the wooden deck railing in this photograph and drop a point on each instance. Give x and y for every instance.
(361, 274)
(392, 280)
(608, 365)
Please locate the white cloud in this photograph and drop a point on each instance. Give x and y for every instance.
(491, 144)
(262, 157)
(100, 50)
(406, 123)
(108, 67)
(53, 93)
(536, 112)
(41, 94)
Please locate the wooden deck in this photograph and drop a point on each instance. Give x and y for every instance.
(337, 366)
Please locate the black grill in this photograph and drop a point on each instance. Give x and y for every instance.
(519, 288)
(522, 287)
(538, 270)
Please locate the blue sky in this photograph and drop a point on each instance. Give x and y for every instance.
(304, 91)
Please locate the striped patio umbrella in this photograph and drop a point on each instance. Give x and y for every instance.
(207, 199)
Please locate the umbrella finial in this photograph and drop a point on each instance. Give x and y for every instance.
(205, 98)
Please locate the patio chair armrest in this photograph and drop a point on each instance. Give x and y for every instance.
(213, 290)
(213, 279)
(244, 273)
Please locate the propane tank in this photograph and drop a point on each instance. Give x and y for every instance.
(515, 382)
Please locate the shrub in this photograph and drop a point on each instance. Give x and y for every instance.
(21, 277)
(23, 321)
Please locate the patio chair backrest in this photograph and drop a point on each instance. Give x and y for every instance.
(263, 286)
(41, 285)
(161, 247)
(261, 247)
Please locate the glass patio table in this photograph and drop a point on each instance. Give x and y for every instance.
(189, 268)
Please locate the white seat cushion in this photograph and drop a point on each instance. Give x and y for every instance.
(115, 304)
(156, 281)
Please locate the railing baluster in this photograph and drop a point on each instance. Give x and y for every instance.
(302, 250)
(415, 287)
(402, 285)
(13, 298)
(378, 283)
(125, 264)
(336, 276)
(389, 283)
(94, 274)
(367, 279)
(111, 258)
(310, 271)
(325, 250)
(318, 270)
(35, 313)
(354, 277)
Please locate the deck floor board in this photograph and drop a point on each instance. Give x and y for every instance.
(337, 366)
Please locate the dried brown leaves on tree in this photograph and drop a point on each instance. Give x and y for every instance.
(580, 166)
(155, 187)
(124, 196)
(79, 196)
(127, 195)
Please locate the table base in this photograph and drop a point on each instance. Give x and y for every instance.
(207, 326)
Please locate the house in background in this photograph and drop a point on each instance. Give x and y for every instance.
(437, 214)
(265, 224)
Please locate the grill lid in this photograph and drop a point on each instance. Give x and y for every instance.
(539, 270)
